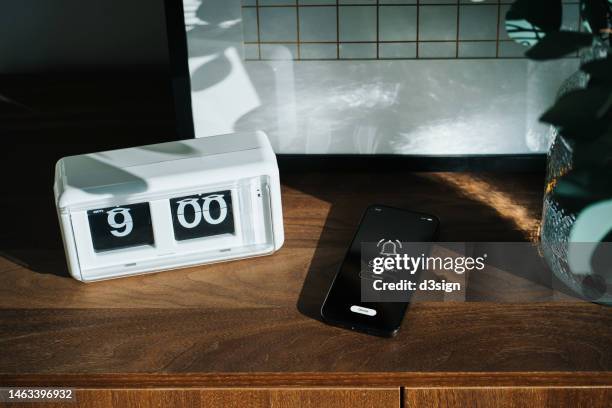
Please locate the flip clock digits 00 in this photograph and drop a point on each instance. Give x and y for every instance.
(170, 205)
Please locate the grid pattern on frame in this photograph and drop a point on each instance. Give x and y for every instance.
(382, 29)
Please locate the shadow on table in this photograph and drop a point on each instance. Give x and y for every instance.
(58, 115)
(462, 219)
(33, 240)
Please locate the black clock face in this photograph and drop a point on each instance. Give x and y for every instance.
(202, 215)
(120, 227)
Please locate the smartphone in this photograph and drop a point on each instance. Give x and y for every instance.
(343, 306)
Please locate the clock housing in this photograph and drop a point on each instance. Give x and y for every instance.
(169, 205)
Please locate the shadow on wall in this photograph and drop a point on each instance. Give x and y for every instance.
(207, 39)
(222, 90)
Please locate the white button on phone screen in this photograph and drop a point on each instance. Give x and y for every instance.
(363, 310)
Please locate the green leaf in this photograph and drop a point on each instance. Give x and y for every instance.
(582, 113)
(559, 44)
(527, 21)
(600, 71)
(545, 14)
(594, 14)
(579, 188)
(594, 154)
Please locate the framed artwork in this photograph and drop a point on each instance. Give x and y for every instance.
(369, 77)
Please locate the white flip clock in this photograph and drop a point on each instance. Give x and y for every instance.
(169, 205)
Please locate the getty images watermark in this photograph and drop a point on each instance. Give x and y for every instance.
(394, 271)
(393, 266)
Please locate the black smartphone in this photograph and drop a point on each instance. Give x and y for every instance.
(343, 306)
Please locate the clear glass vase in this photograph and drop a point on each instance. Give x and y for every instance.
(557, 221)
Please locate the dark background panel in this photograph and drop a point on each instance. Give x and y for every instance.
(96, 76)
(39, 36)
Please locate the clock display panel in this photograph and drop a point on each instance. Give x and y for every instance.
(202, 215)
(120, 227)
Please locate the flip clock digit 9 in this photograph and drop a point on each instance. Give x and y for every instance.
(170, 205)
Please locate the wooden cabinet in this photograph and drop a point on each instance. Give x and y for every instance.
(351, 398)
(511, 397)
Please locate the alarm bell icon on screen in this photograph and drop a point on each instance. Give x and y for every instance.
(389, 248)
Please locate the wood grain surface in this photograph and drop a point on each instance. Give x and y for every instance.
(508, 397)
(230, 398)
(405, 379)
(321, 213)
(261, 315)
(434, 337)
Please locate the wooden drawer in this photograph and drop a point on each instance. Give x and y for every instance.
(508, 397)
(231, 397)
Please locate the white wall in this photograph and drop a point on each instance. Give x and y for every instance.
(42, 35)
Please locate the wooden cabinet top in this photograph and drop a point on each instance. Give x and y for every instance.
(256, 319)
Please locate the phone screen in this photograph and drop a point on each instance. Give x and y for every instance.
(343, 305)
